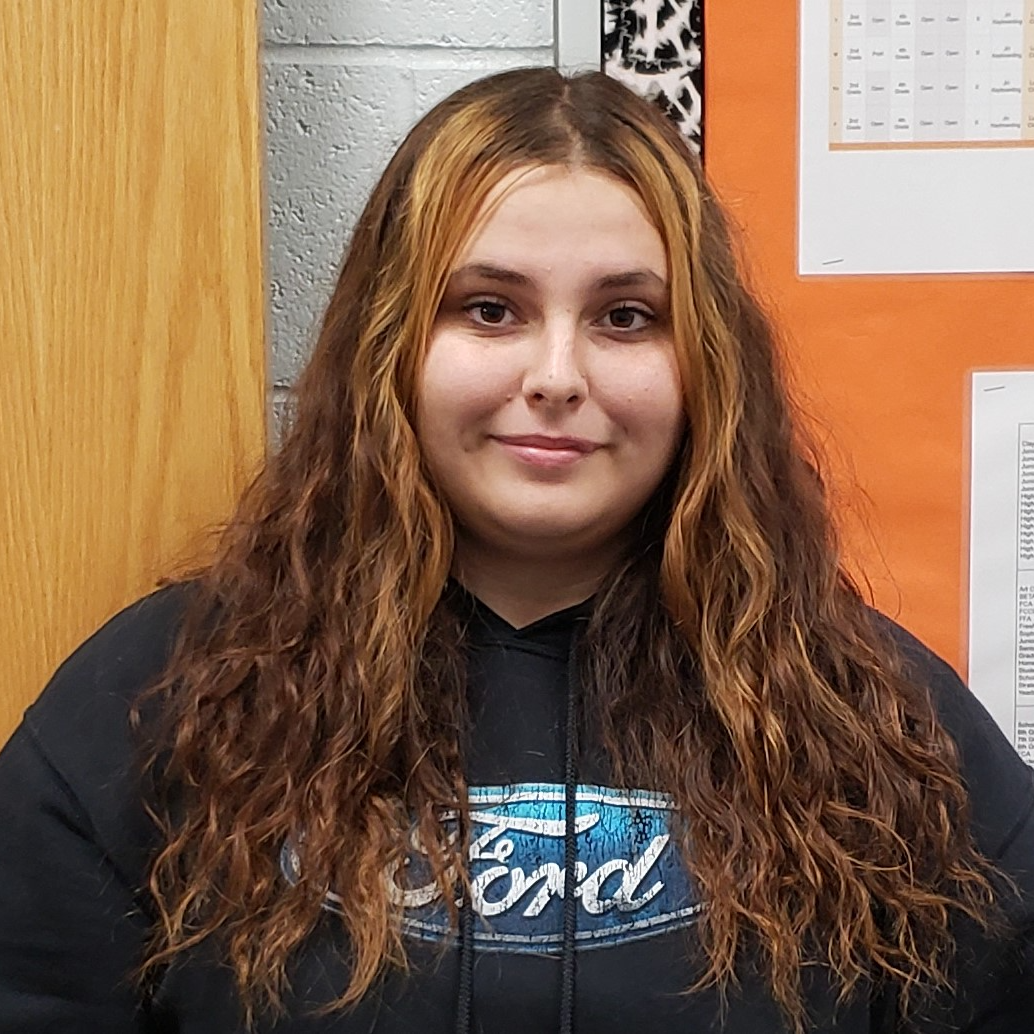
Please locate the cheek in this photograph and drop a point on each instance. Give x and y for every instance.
(646, 400)
(459, 389)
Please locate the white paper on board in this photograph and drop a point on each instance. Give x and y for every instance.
(916, 144)
(1001, 552)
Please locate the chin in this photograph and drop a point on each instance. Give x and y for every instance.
(553, 534)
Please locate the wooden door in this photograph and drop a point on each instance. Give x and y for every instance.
(132, 355)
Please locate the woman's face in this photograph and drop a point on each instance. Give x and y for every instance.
(550, 406)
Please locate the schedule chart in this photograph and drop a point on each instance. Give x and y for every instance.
(1001, 551)
(1025, 596)
(931, 73)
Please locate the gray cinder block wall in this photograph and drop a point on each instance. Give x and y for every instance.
(344, 81)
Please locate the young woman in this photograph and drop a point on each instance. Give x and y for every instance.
(527, 692)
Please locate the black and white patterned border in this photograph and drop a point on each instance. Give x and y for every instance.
(655, 47)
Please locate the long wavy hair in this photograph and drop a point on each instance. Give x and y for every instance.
(317, 686)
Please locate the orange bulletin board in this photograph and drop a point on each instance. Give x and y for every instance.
(881, 363)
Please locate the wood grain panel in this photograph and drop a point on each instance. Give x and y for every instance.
(132, 352)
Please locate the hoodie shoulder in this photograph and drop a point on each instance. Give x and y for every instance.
(999, 783)
(80, 725)
(105, 675)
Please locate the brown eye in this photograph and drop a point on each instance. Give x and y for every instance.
(626, 317)
(489, 313)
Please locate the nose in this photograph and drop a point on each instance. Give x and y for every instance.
(554, 375)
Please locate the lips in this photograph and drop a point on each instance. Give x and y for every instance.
(549, 442)
(546, 452)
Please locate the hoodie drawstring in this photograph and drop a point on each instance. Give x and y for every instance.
(465, 993)
(570, 842)
(465, 1007)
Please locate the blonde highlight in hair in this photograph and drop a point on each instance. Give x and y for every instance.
(318, 688)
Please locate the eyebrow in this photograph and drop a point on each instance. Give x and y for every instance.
(485, 271)
(631, 278)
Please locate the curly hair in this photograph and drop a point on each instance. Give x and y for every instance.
(317, 689)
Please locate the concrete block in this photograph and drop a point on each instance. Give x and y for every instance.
(330, 131)
(443, 23)
(432, 85)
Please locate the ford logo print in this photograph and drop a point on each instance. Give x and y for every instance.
(630, 880)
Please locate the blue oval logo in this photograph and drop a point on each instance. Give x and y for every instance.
(630, 880)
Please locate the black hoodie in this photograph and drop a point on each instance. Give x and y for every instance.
(75, 844)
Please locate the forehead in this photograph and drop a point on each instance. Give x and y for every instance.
(552, 209)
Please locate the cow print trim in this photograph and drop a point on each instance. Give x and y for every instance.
(655, 47)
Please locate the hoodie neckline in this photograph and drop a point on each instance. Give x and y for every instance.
(549, 635)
